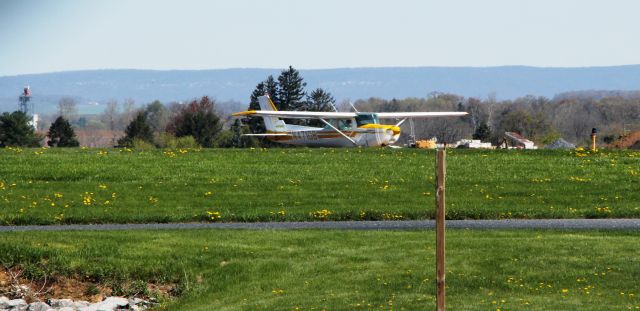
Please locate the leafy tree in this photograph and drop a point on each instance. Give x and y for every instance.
(61, 134)
(197, 119)
(291, 90)
(482, 132)
(67, 108)
(157, 116)
(233, 137)
(138, 129)
(16, 130)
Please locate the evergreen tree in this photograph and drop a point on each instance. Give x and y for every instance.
(61, 134)
(139, 129)
(266, 87)
(320, 100)
(482, 132)
(199, 120)
(233, 138)
(16, 130)
(291, 90)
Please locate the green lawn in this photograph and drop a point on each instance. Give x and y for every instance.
(44, 186)
(348, 270)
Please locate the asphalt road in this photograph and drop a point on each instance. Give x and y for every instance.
(552, 224)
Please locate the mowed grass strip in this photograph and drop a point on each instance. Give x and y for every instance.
(45, 186)
(347, 270)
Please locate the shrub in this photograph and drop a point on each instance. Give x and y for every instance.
(171, 142)
(140, 144)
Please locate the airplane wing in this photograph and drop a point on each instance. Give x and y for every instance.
(267, 135)
(400, 115)
(296, 114)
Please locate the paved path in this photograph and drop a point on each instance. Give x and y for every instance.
(557, 224)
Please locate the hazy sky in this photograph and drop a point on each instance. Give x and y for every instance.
(45, 36)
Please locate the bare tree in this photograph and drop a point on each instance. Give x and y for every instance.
(67, 108)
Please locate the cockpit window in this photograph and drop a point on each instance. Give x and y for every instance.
(367, 118)
(343, 125)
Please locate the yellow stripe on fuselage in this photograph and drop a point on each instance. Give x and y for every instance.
(395, 129)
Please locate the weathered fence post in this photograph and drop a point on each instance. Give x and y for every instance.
(441, 171)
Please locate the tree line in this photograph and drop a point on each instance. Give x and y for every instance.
(570, 116)
(200, 122)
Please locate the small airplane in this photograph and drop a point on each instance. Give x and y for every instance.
(342, 129)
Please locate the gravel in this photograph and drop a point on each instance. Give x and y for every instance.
(572, 224)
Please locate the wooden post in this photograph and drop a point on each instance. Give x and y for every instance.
(441, 171)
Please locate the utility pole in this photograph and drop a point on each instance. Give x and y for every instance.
(441, 171)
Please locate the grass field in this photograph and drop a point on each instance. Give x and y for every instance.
(45, 186)
(348, 270)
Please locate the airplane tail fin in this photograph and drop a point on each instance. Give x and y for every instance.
(272, 124)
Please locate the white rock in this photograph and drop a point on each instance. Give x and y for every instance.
(4, 302)
(38, 306)
(109, 304)
(67, 309)
(81, 304)
(135, 301)
(16, 303)
(61, 303)
(91, 307)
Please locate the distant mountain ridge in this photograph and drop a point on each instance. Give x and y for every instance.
(92, 88)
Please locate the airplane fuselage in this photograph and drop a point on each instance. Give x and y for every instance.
(371, 135)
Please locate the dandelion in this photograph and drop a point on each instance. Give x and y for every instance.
(153, 200)
(391, 216)
(57, 195)
(102, 186)
(87, 198)
(363, 214)
(322, 214)
(59, 217)
(208, 194)
(278, 291)
(564, 290)
(214, 215)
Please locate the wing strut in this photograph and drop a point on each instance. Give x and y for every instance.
(339, 131)
(401, 121)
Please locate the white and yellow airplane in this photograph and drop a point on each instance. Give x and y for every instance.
(342, 129)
